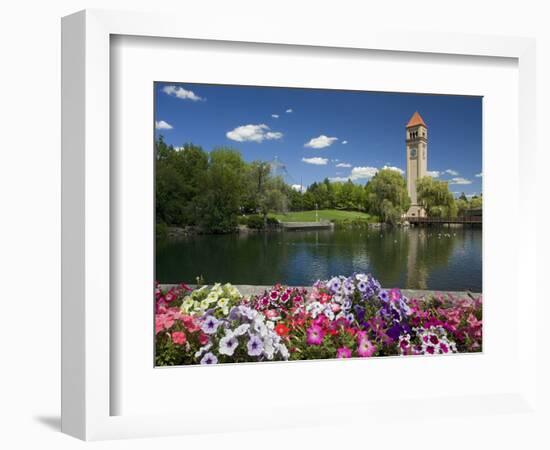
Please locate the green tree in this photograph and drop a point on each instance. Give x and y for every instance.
(386, 195)
(264, 192)
(435, 197)
(462, 206)
(220, 203)
(476, 202)
(179, 179)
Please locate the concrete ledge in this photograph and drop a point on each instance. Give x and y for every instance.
(247, 290)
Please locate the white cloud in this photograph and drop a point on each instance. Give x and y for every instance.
(162, 125)
(434, 173)
(479, 175)
(397, 169)
(289, 111)
(359, 173)
(316, 160)
(275, 116)
(343, 165)
(184, 94)
(339, 179)
(320, 142)
(459, 180)
(451, 172)
(298, 187)
(253, 133)
(344, 142)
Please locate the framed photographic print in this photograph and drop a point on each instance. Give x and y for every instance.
(322, 212)
(316, 234)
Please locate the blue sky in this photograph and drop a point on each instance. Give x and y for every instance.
(325, 133)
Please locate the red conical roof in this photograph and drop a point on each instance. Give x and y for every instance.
(416, 120)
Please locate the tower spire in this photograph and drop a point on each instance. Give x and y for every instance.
(415, 120)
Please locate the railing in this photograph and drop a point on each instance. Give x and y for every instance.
(459, 219)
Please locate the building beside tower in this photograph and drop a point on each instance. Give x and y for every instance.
(416, 140)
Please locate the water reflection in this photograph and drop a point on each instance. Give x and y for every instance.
(420, 258)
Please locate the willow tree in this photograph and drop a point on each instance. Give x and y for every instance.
(435, 197)
(386, 195)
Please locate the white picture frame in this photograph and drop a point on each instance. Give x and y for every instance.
(87, 386)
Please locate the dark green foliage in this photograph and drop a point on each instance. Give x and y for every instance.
(220, 200)
(272, 222)
(161, 231)
(255, 222)
(354, 223)
(213, 192)
(386, 196)
(435, 197)
(179, 180)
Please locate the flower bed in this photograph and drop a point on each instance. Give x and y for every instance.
(342, 317)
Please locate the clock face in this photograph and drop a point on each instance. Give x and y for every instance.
(413, 152)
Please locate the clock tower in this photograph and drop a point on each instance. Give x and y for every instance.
(416, 140)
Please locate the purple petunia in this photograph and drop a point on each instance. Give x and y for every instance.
(255, 346)
(209, 358)
(334, 284)
(210, 325)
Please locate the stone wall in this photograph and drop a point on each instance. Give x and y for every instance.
(248, 290)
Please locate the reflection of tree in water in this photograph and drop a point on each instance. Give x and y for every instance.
(388, 250)
(405, 258)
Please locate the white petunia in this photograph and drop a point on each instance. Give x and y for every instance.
(329, 314)
(269, 349)
(228, 344)
(241, 329)
(203, 349)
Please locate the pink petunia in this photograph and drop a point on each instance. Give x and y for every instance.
(271, 314)
(395, 295)
(159, 324)
(365, 348)
(178, 337)
(343, 352)
(168, 321)
(203, 339)
(190, 324)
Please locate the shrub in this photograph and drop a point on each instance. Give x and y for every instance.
(161, 231)
(255, 222)
(272, 221)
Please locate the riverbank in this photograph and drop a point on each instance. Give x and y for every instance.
(175, 233)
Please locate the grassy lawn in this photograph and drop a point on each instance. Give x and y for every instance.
(323, 214)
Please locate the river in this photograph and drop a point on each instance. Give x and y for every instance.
(416, 258)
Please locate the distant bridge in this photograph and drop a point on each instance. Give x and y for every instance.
(469, 220)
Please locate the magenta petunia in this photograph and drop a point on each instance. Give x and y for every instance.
(315, 335)
(343, 352)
